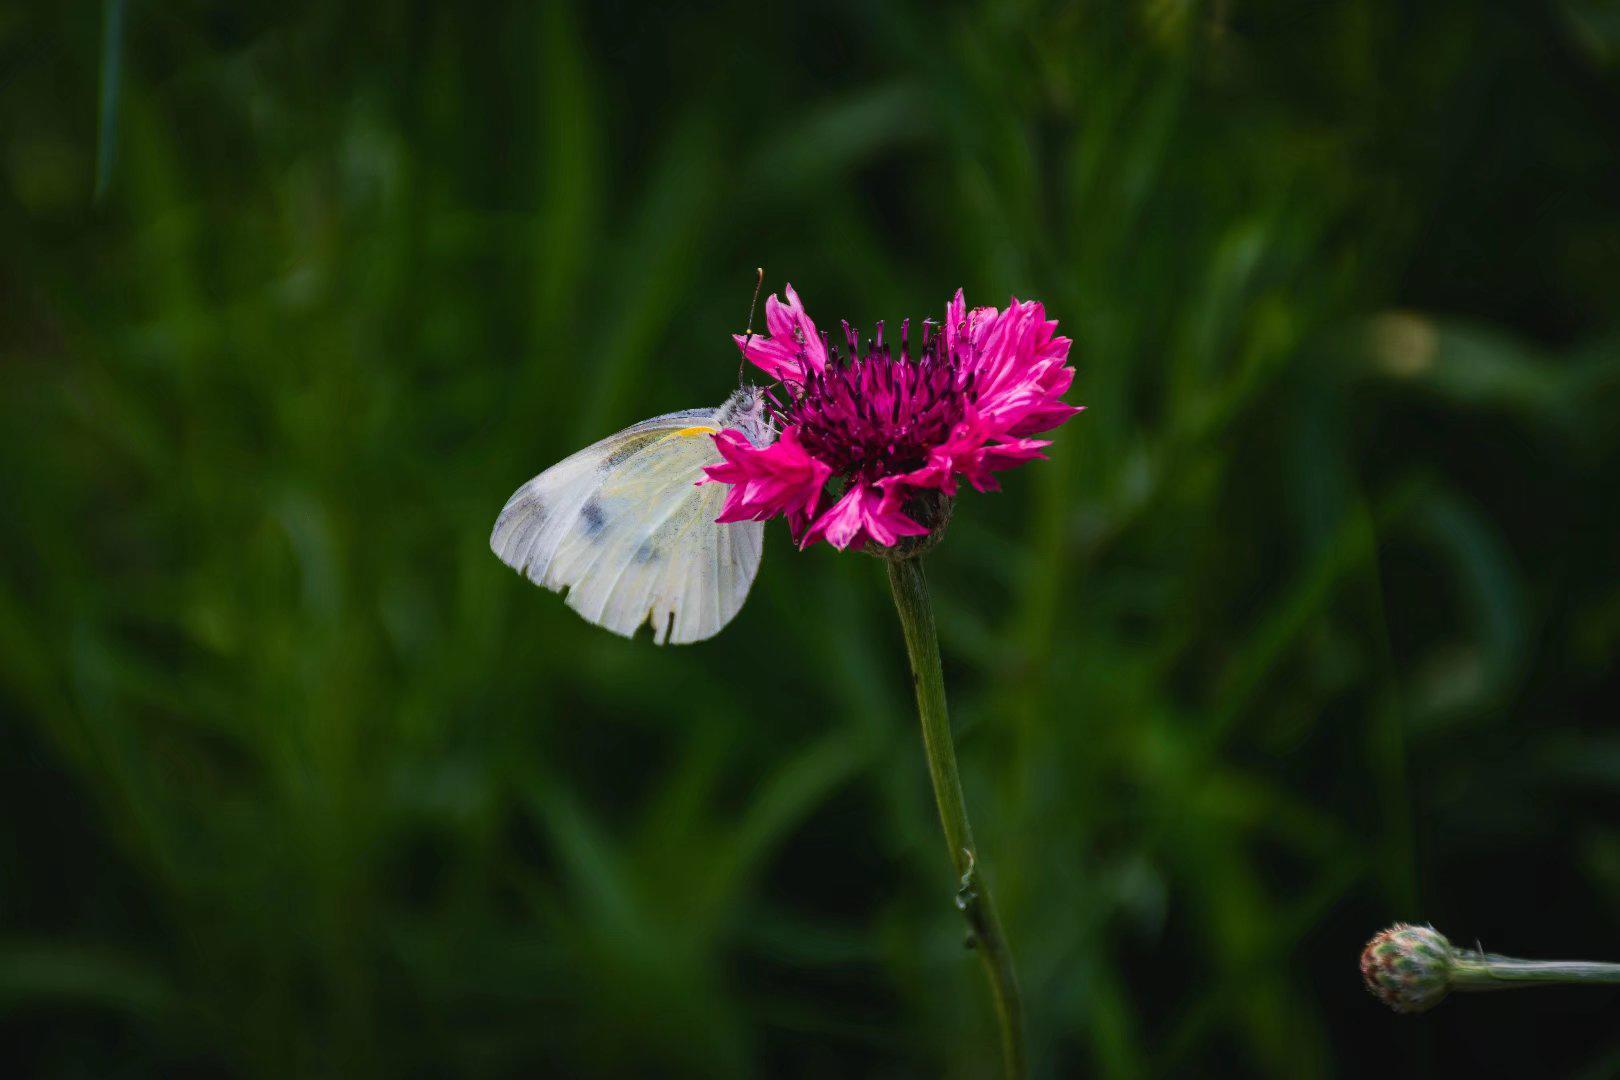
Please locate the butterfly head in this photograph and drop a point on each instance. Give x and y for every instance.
(745, 411)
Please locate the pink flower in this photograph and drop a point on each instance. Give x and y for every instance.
(891, 425)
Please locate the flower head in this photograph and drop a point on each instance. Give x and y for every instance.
(1409, 968)
(896, 428)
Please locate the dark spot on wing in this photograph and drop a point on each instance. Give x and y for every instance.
(647, 552)
(593, 519)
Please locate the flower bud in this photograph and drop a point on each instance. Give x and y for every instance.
(1409, 968)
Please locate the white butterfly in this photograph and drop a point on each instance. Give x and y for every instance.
(625, 533)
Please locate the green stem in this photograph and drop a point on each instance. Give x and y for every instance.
(910, 590)
(1487, 971)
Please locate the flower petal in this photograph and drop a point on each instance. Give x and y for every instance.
(1002, 455)
(794, 345)
(1042, 417)
(956, 323)
(781, 478)
(770, 356)
(963, 326)
(865, 512)
(1016, 358)
(968, 454)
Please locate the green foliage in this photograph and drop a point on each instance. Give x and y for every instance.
(1305, 627)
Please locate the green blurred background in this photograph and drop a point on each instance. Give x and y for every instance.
(1309, 624)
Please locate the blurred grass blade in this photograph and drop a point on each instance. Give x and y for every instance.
(34, 973)
(653, 272)
(570, 194)
(112, 81)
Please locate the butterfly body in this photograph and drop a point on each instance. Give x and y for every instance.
(623, 529)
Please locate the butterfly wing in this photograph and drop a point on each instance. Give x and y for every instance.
(624, 531)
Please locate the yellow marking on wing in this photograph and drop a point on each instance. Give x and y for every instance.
(699, 430)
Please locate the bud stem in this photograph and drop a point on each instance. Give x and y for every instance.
(1487, 971)
(910, 589)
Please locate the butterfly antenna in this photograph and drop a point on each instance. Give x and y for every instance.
(748, 334)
